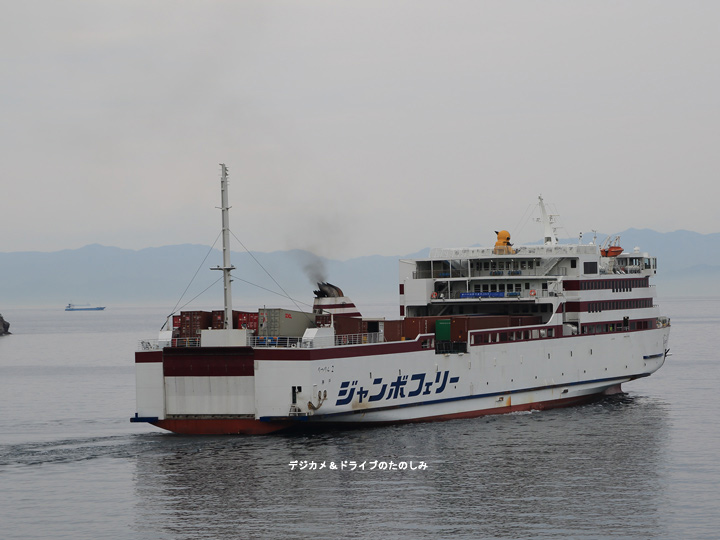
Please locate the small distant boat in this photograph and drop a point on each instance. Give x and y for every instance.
(73, 307)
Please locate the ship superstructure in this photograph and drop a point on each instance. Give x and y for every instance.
(482, 331)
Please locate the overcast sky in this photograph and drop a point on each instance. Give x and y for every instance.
(354, 127)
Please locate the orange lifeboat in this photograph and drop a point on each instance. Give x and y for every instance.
(611, 249)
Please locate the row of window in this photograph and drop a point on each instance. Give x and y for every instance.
(595, 307)
(504, 287)
(522, 264)
(623, 326)
(542, 333)
(516, 335)
(616, 285)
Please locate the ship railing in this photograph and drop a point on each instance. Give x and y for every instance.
(272, 341)
(495, 273)
(485, 253)
(359, 339)
(149, 345)
(158, 344)
(186, 342)
(316, 342)
(342, 340)
(470, 295)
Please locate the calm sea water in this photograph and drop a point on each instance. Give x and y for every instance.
(644, 465)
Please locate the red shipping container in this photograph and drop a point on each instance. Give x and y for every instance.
(194, 321)
(253, 321)
(525, 320)
(218, 319)
(241, 319)
(414, 326)
(322, 320)
(393, 330)
(347, 325)
(460, 326)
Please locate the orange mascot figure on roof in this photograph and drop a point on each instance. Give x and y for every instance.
(503, 245)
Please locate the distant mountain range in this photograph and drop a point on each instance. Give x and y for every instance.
(170, 275)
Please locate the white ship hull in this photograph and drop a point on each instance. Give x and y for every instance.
(483, 377)
(376, 383)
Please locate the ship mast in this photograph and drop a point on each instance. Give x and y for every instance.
(547, 221)
(227, 267)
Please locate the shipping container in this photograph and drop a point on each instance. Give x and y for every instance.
(323, 319)
(347, 325)
(443, 330)
(393, 330)
(413, 326)
(460, 326)
(191, 322)
(247, 319)
(525, 320)
(241, 319)
(218, 320)
(284, 322)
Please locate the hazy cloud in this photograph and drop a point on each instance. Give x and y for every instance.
(401, 124)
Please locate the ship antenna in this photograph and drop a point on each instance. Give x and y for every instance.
(227, 267)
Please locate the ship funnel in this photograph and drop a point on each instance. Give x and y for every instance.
(330, 300)
(328, 290)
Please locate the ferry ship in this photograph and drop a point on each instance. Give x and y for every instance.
(75, 307)
(481, 331)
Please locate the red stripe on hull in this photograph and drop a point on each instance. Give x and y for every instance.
(328, 306)
(332, 353)
(208, 362)
(220, 426)
(148, 357)
(249, 426)
(540, 406)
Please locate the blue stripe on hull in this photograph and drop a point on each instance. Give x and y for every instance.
(476, 396)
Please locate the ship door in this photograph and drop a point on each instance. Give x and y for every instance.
(375, 332)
